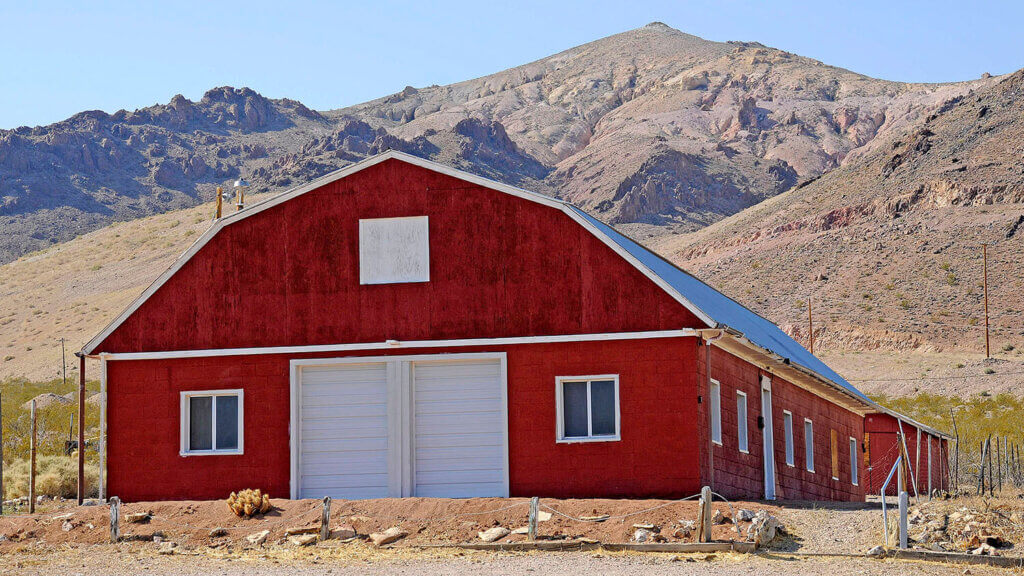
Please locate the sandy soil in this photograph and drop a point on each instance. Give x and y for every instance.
(130, 562)
(428, 520)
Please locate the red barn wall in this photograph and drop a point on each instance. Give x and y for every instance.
(499, 266)
(882, 430)
(655, 457)
(740, 475)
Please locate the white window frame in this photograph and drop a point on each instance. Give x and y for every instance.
(854, 469)
(715, 406)
(742, 435)
(184, 449)
(560, 436)
(809, 445)
(787, 432)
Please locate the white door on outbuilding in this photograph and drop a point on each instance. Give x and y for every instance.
(344, 431)
(379, 427)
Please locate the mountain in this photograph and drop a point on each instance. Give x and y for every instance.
(652, 129)
(888, 248)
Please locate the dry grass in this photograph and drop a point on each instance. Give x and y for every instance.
(56, 476)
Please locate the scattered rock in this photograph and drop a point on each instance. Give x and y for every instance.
(343, 532)
(258, 538)
(763, 528)
(388, 536)
(303, 539)
(719, 518)
(218, 532)
(493, 534)
(521, 530)
(167, 548)
(137, 517)
(744, 515)
(543, 516)
(298, 530)
(67, 526)
(650, 527)
(600, 518)
(642, 535)
(877, 551)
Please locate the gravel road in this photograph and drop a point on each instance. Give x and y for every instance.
(86, 562)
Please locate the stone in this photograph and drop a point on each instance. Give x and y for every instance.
(91, 502)
(543, 516)
(167, 548)
(599, 518)
(388, 536)
(493, 534)
(719, 518)
(343, 532)
(158, 539)
(298, 530)
(744, 515)
(67, 526)
(303, 539)
(258, 538)
(763, 528)
(521, 530)
(218, 532)
(650, 527)
(680, 533)
(877, 551)
(137, 517)
(642, 535)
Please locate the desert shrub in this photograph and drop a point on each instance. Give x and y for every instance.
(249, 502)
(55, 476)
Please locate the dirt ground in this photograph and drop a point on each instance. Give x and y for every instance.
(66, 539)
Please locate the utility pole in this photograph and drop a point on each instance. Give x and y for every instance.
(984, 259)
(63, 362)
(810, 325)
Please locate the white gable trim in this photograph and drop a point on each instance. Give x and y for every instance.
(565, 207)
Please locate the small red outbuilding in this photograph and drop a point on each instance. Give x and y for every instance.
(926, 467)
(401, 328)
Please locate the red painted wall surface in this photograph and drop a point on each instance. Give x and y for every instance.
(655, 457)
(499, 266)
(741, 475)
(882, 430)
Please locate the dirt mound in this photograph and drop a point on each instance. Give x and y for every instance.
(46, 400)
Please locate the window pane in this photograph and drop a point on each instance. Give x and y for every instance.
(853, 461)
(574, 409)
(741, 420)
(200, 415)
(716, 412)
(809, 445)
(787, 420)
(227, 422)
(602, 407)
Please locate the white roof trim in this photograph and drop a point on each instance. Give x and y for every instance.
(258, 207)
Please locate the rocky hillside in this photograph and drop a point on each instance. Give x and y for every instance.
(652, 129)
(888, 248)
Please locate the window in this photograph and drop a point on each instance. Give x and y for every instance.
(716, 412)
(787, 431)
(588, 408)
(834, 443)
(394, 250)
(809, 444)
(211, 422)
(741, 421)
(853, 461)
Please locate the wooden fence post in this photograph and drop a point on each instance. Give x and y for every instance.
(32, 463)
(532, 518)
(704, 515)
(115, 519)
(325, 520)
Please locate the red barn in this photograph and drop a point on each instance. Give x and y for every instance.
(927, 449)
(401, 328)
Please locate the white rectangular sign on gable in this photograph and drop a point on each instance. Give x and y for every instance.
(394, 250)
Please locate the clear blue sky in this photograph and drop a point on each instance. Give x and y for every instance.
(57, 58)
